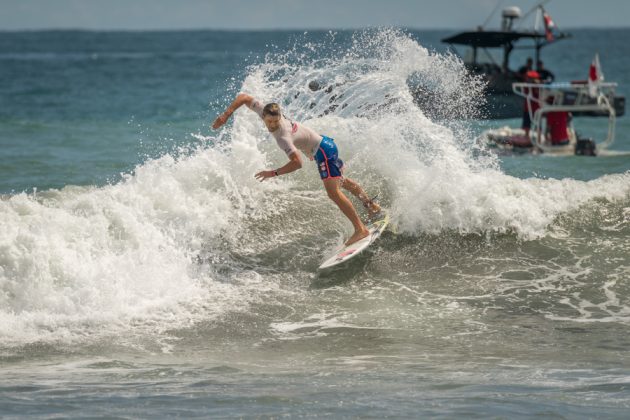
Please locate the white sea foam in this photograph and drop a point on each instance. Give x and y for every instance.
(81, 261)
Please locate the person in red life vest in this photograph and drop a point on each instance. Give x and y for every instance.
(531, 76)
(523, 70)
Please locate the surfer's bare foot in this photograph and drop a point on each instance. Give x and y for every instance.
(357, 236)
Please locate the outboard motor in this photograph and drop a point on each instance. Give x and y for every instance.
(586, 147)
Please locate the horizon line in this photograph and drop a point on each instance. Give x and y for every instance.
(315, 29)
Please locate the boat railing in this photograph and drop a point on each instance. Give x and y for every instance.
(567, 97)
(566, 93)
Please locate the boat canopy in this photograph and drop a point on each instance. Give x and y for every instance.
(490, 39)
(502, 39)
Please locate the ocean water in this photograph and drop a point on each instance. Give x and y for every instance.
(144, 272)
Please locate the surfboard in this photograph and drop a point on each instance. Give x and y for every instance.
(345, 253)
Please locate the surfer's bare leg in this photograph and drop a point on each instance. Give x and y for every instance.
(333, 189)
(357, 191)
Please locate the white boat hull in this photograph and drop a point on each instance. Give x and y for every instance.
(514, 140)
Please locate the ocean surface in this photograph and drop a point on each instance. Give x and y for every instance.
(144, 272)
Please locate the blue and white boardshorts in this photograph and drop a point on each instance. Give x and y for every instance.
(327, 157)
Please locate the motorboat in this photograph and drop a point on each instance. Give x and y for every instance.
(545, 100)
(480, 59)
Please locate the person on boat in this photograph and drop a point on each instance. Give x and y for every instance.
(292, 136)
(545, 75)
(530, 106)
(529, 66)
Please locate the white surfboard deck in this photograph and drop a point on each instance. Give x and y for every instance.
(344, 253)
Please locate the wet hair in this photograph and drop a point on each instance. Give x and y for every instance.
(272, 109)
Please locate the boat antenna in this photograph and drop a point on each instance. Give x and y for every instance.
(499, 3)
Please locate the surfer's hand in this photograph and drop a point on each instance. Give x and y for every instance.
(221, 119)
(262, 175)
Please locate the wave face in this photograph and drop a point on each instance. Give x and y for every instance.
(192, 237)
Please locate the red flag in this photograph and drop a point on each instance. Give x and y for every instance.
(549, 25)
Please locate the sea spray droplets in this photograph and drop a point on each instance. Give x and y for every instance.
(427, 170)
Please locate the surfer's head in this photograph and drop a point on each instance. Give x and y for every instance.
(271, 116)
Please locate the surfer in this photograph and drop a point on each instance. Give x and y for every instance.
(292, 136)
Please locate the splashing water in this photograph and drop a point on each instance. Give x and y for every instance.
(193, 237)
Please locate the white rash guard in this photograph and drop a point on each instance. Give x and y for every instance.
(291, 136)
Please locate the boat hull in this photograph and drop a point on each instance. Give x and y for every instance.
(513, 140)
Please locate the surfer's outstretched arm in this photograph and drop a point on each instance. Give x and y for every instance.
(241, 99)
